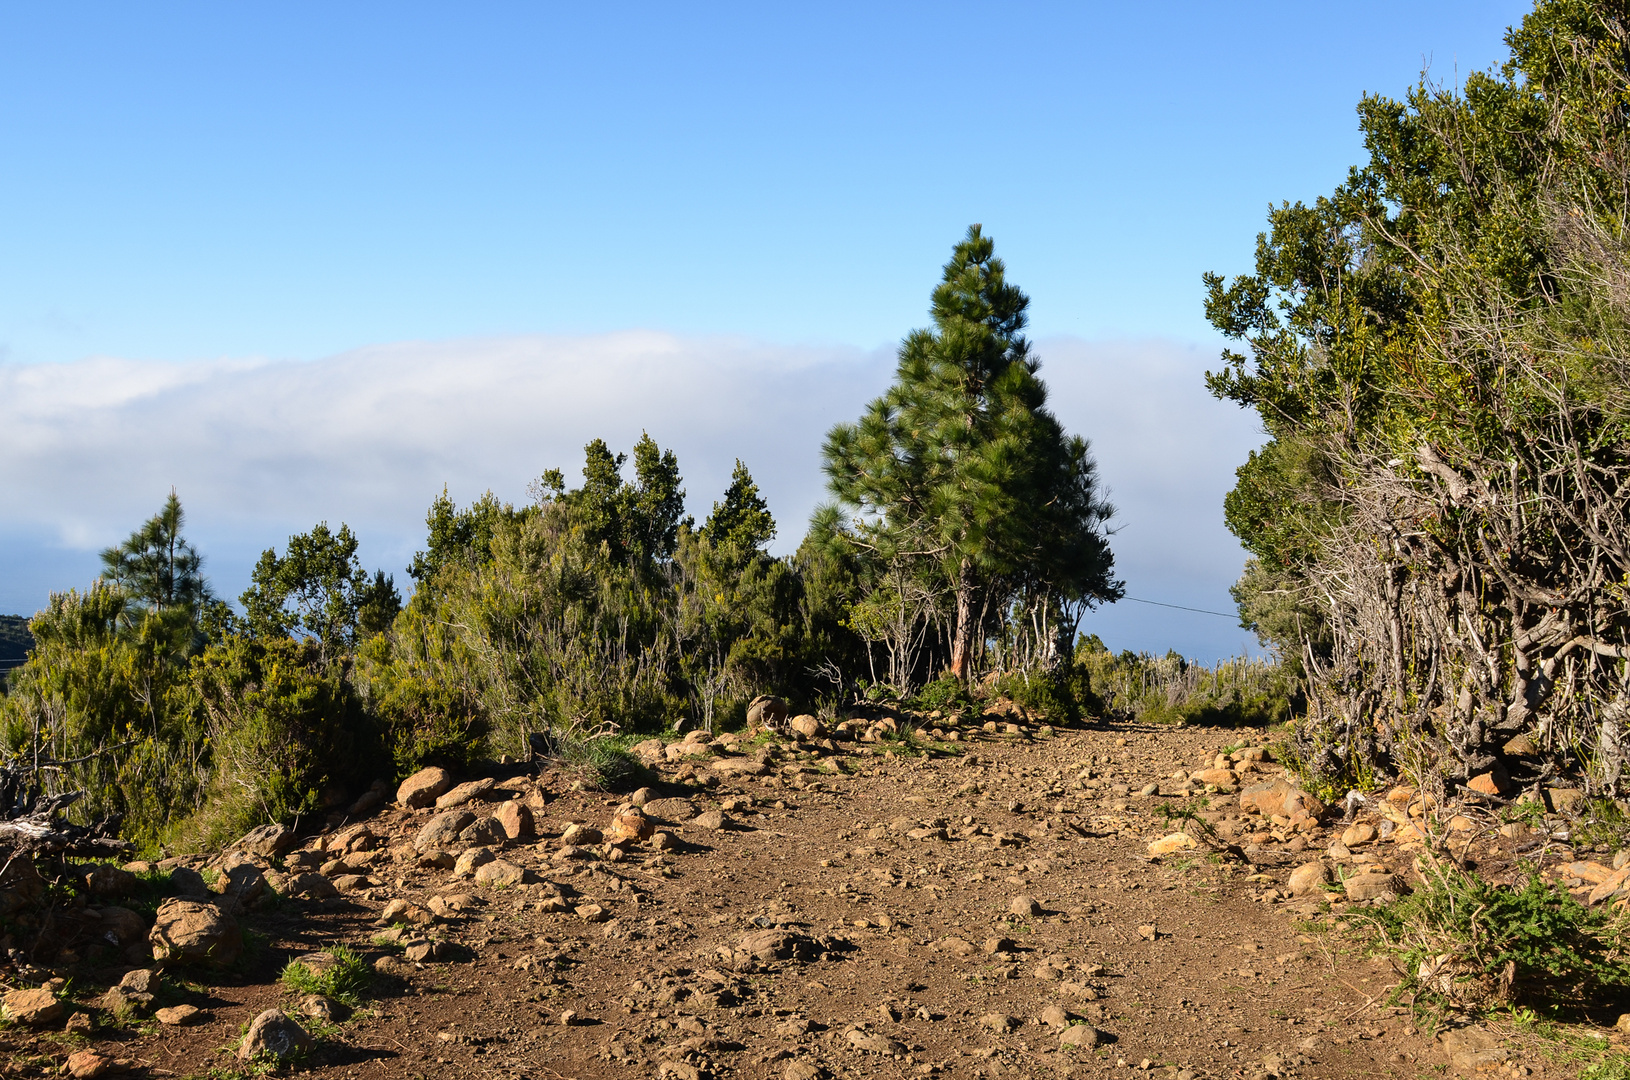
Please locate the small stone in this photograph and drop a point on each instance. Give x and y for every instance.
(801, 1070)
(1461, 823)
(140, 981)
(642, 796)
(500, 872)
(79, 1024)
(593, 913)
(957, 946)
(1357, 835)
(873, 1042)
(578, 835)
(179, 1015)
(994, 945)
(1373, 884)
(1149, 932)
(1001, 1023)
(1308, 878)
(35, 1008)
(1055, 1017)
(1172, 843)
(311, 886)
(1493, 782)
(269, 841)
(663, 841)
(89, 1064)
(274, 1035)
(321, 1007)
(713, 819)
(631, 825)
(1025, 907)
(1080, 1035)
(405, 912)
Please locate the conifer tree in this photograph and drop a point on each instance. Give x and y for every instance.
(156, 566)
(743, 518)
(961, 468)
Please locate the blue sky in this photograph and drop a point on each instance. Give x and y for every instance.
(204, 207)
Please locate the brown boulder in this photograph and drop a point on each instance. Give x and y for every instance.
(35, 1008)
(1279, 797)
(274, 1036)
(468, 791)
(269, 841)
(443, 829)
(188, 932)
(630, 826)
(516, 820)
(424, 787)
(766, 711)
(105, 879)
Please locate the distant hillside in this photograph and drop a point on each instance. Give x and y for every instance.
(15, 640)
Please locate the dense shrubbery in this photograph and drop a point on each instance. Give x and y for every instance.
(1171, 689)
(1437, 351)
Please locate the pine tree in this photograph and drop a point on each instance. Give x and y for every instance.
(156, 567)
(961, 469)
(743, 518)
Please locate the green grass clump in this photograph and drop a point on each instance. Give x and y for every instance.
(1532, 943)
(348, 979)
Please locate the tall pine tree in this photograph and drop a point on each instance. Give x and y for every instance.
(961, 469)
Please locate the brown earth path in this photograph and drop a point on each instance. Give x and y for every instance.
(898, 884)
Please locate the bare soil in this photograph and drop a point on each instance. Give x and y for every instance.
(894, 877)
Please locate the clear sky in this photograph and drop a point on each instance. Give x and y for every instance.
(207, 208)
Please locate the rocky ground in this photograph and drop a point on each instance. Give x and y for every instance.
(990, 899)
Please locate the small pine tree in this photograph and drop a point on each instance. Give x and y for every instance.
(743, 518)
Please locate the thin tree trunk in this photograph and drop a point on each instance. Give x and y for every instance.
(962, 637)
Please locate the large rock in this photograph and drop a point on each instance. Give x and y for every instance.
(515, 818)
(1308, 878)
(122, 927)
(806, 726)
(107, 880)
(1375, 884)
(767, 711)
(273, 1036)
(443, 829)
(502, 873)
(35, 1008)
(269, 841)
(424, 787)
(188, 932)
(483, 831)
(630, 826)
(778, 945)
(468, 791)
(20, 885)
(740, 766)
(311, 886)
(1080, 1035)
(1279, 797)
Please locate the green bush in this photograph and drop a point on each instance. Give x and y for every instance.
(1049, 694)
(947, 693)
(1465, 940)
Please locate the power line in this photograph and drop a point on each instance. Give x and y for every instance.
(1180, 607)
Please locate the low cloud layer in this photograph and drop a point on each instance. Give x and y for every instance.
(260, 449)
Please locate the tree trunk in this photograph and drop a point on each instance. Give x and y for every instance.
(962, 635)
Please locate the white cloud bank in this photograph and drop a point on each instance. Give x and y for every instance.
(260, 449)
